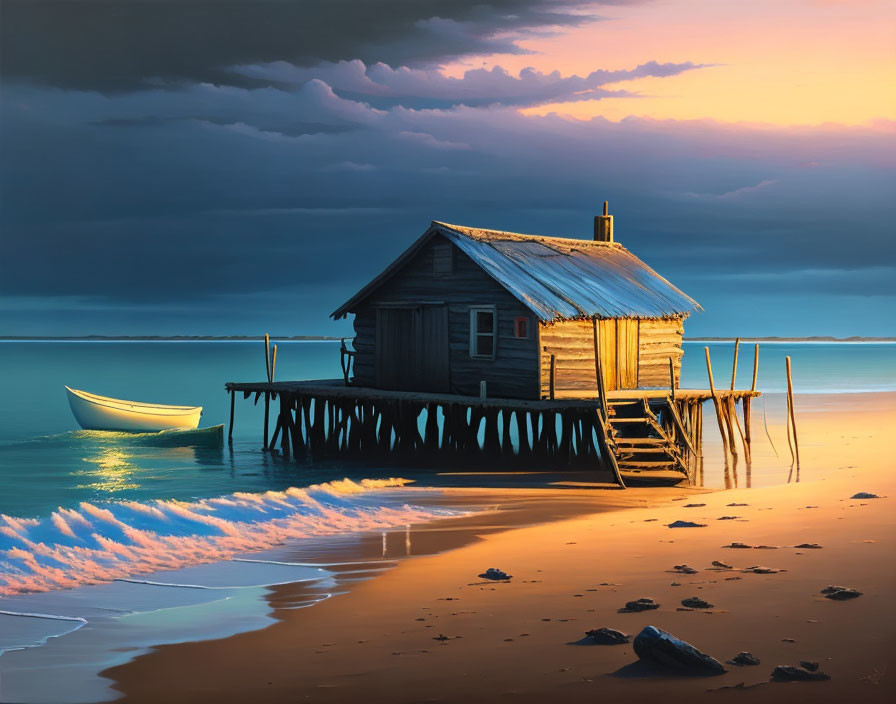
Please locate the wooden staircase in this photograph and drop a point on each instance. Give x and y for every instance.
(638, 440)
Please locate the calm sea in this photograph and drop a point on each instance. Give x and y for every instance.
(46, 463)
(163, 534)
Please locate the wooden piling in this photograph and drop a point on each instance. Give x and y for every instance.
(791, 413)
(734, 367)
(715, 403)
(230, 427)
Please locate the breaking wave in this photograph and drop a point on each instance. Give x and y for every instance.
(101, 542)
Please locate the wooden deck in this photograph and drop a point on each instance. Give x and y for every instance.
(336, 389)
(640, 431)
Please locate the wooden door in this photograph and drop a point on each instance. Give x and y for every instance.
(412, 349)
(627, 344)
(395, 348)
(433, 350)
(618, 342)
(607, 342)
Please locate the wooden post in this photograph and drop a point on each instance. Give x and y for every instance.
(267, 395)
(715, 402)
(230, 427)
(273, 364)
(553, 375)
(267, 356)
(791, 412)
(671, 378)
(483, 388)
(599, 369)
(747, 401)
(267, 411)
(755, 366)
(734, 367)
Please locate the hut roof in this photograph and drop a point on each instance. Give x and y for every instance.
(556, 277)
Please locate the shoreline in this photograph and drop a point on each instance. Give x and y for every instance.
(568, 577)
(512, 522)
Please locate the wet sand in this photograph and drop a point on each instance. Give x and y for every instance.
(576, 556)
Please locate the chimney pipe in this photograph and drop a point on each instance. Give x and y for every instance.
(603, 225)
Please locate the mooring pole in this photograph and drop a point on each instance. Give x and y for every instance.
(791, 412)
(267, 394)
(230, 427)
(715, 403)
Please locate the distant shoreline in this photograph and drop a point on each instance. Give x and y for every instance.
(819, 338)
(164, 338)
(332, 338)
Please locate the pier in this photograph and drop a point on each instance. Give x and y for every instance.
(649, 431)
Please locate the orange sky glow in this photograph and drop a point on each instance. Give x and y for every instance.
(785, 62)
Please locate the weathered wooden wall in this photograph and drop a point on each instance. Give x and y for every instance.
(513, 373)
(660, 340)
(572, 344)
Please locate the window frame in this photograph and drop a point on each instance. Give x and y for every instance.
(525, 320)
(475, 334)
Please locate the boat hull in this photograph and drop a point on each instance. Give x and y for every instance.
(100, 413)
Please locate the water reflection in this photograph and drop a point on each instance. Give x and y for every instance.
(112, 471)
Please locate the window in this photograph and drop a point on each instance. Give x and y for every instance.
(482, 332)
(521, 328)
(443, 259)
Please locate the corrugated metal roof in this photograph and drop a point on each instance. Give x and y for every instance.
(557, 277)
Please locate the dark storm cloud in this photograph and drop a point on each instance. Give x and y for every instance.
(384, 86)
(125, 45)
(225, 186)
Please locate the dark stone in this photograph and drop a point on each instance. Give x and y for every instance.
(684, 569)
(789, 673)
(695, 602)
(808, 665)
(759, 569)
(607, 636)
(496, 574)
(694, 505)
(737, 545)
(686, 524)
(840, 593)
(717, 563)
(663, 648)
(808, 546)
(864, 495)
(737, 504)
(727, 518)
(642, 604)
(744, 659)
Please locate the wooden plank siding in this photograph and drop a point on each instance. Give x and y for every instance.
(512, 373)
(651, 342)
(660, 340)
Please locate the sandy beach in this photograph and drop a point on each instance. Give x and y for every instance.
(431, 630)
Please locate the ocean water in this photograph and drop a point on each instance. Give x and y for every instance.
(149, 544)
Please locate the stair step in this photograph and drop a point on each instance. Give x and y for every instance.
(622, 402)
(629, 420)
(642, 441)
(643, 450)
(627, 464)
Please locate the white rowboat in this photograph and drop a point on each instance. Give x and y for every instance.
(100, 413)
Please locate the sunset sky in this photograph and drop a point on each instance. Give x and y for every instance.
(237, 167)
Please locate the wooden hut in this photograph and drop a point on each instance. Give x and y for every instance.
(523, 313)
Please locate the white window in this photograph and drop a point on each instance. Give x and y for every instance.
(483, 336)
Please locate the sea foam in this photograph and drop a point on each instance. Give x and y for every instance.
(101, 542)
